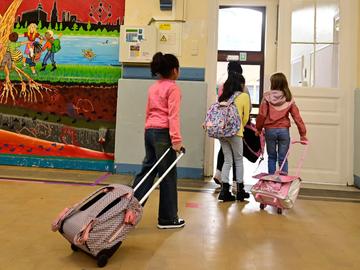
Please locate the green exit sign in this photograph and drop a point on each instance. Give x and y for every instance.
(243, 56)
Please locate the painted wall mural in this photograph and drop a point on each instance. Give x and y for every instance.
(58, 82)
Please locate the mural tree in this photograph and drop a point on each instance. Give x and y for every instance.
(30, 90)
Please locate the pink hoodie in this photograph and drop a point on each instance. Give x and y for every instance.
(274, 112)
(163, 108)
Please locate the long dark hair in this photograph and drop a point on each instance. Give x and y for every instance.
(164, 64)
(234, 66)
(279, 82)
(234, 83)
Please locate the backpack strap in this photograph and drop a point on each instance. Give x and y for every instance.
(233, 97)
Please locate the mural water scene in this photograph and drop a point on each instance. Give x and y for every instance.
(58, 82)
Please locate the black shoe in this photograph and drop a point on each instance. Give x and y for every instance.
(54, 67)
(241, 193)
(225, 194)
(173, 224)
(43, 68)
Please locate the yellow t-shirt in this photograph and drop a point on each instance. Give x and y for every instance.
(242, 103)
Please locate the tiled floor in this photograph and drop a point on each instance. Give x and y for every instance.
(315, 234)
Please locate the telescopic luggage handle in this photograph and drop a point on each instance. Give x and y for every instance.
(182, 152)
(301, 161)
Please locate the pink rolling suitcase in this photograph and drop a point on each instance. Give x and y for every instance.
(97, 224)
(279, 190)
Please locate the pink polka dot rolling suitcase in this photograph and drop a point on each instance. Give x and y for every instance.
(100, 223)
(279, 190)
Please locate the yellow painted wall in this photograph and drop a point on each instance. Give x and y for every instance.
(359, 49)
(357, 113)
(357, 134)
(357, 116)
(194, 30)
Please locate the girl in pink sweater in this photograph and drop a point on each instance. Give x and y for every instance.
(274, 112)
(162, 130)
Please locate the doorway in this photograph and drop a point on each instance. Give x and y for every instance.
(241, 37)
(327, 106)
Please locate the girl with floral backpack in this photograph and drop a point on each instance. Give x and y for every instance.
(227, 125)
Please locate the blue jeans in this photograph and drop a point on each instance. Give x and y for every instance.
(49, 55)
(157, 141)
(277, 145)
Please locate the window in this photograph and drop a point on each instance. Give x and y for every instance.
(315, 43)
(240, 29)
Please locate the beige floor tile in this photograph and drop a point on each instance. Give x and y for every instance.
(319, 235)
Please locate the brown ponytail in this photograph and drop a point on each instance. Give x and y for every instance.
(279, 82)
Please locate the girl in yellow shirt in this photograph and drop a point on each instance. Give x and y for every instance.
(233, 146)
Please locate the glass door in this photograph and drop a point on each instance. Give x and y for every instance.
(241, 37)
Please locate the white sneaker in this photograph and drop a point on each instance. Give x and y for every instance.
(178, 223)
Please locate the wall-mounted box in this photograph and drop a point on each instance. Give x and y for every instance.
(137, 43)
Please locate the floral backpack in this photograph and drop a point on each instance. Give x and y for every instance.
(222, 119)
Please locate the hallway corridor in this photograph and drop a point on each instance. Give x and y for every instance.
(318, 233)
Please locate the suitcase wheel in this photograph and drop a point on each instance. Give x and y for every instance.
(104, 255)
(279, 211)
(262, 206)
(102, 260)
(74, 248)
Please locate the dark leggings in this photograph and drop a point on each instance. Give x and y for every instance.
(157, 141)
(220, 163)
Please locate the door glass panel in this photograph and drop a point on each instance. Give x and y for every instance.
(314, 60)
(301, 64)
(326, 66)
(252, 77)
(236, 20)
(326, 21)
(302, 21)
(251, 74)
